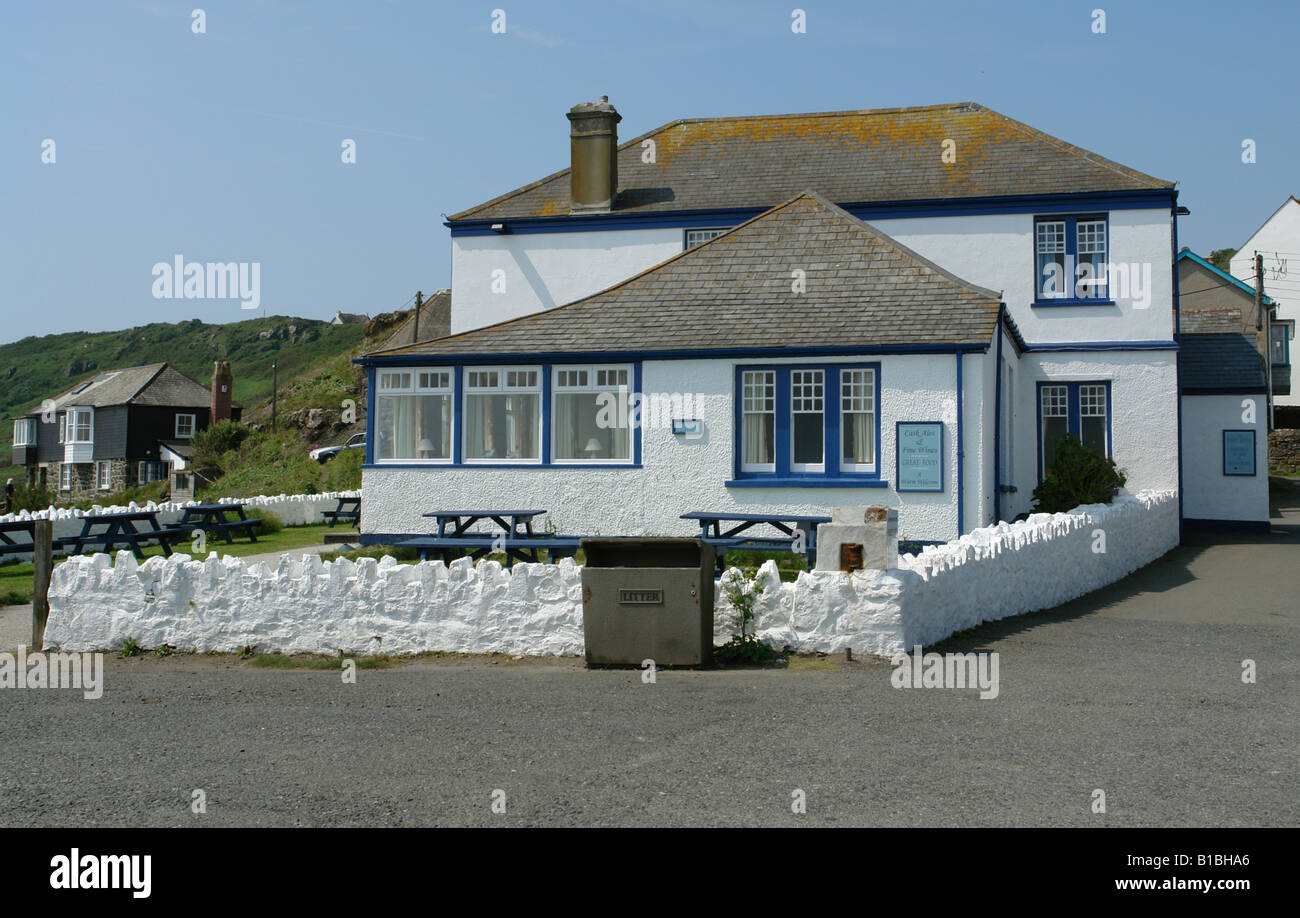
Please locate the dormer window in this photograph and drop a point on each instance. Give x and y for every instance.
(696, 237)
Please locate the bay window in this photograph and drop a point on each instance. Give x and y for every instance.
(25, 432)
(81, 427)
(590, 414)
(413, 414)
(503, 414)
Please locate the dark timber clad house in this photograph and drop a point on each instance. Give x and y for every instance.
(119, 429)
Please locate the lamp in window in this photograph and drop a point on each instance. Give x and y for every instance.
(426, 448)
(593, 447)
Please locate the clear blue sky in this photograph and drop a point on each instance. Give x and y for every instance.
(225, 146)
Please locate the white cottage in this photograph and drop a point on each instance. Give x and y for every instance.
(1278, 242)
(786, 314)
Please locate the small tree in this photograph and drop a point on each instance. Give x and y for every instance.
(215, 440)
(1078, 475)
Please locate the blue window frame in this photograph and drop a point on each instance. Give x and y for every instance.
(807, 425)
(1070, 258)
(1081, 409)
(507, 415)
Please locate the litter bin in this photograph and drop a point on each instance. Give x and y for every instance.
(648, 599)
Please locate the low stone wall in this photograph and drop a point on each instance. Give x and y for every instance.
(307, 605)
(1284, 450)
(292, 510)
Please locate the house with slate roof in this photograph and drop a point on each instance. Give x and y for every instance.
(786, 314)
(119, 429)
(1278, 241)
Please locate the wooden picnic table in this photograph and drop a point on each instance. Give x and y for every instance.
(739, 536)
(462, 520)
(516, 548)
(213, 518)
(120, 529)
(349, 508)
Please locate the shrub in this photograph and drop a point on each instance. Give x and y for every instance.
(743, 590)
(266, 463)
(270, 522)
(214, 441)
(32, 497)
(1078, 475)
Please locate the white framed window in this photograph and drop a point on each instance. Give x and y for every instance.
(1090, 243)
(696, 237)
(184, 426)
(81, 425)
(1070, 258)
(148, 472)
(1080, 409)
(758, 421)
(25, 432)
(104, 476)
(1050, 251)
(858, 420)
(65, 476)
(591, 414)
(413, 415)
(808, 420)
(503, 414)
(1092, 418)
(1054, 420)
(63, 428)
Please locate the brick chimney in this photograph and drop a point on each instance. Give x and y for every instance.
(593, 151)
(222, 383)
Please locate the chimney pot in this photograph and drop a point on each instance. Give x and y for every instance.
(593, 149)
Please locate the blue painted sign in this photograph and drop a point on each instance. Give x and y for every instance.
(1239, 452)
(918, 455)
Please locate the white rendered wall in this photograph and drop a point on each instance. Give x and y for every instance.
(997, 251)
(1143, 408)
(1208, 494)
(1279, 238)
(307, 605)
(543, 270)
(680, 475)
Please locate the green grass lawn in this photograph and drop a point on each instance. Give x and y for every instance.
(16, 579)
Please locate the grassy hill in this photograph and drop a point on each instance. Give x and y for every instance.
(36, 368)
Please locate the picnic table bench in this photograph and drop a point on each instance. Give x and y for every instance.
(349, 508)
(213, 518)
(460, 521)
(794, 527)
(8, 546)
(478, 545)
(120, 529)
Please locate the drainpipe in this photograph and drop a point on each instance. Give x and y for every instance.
(997, 423)
(960, 526)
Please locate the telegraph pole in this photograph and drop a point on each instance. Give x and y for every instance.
(275, 385)
(1262, 326)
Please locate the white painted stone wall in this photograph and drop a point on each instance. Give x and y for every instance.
(1277, 240)
(292, 510)
(544, 270)
(1208, 494)
(380, 606)
(681, 475)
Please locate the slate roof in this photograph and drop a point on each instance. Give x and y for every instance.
(152, 384)
(851, 157)
(735, 292)
(1225, 363)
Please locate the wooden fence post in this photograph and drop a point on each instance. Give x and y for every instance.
(43, 564)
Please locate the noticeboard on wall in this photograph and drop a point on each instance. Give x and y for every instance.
(918, 455)
(1239, 452)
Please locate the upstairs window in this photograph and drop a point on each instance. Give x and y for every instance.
(25, 432)
(1279, 345)
(184, 426)
(1070, 258)
(503, 414)
(696, 237)
(63, 428)
(81, 425)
